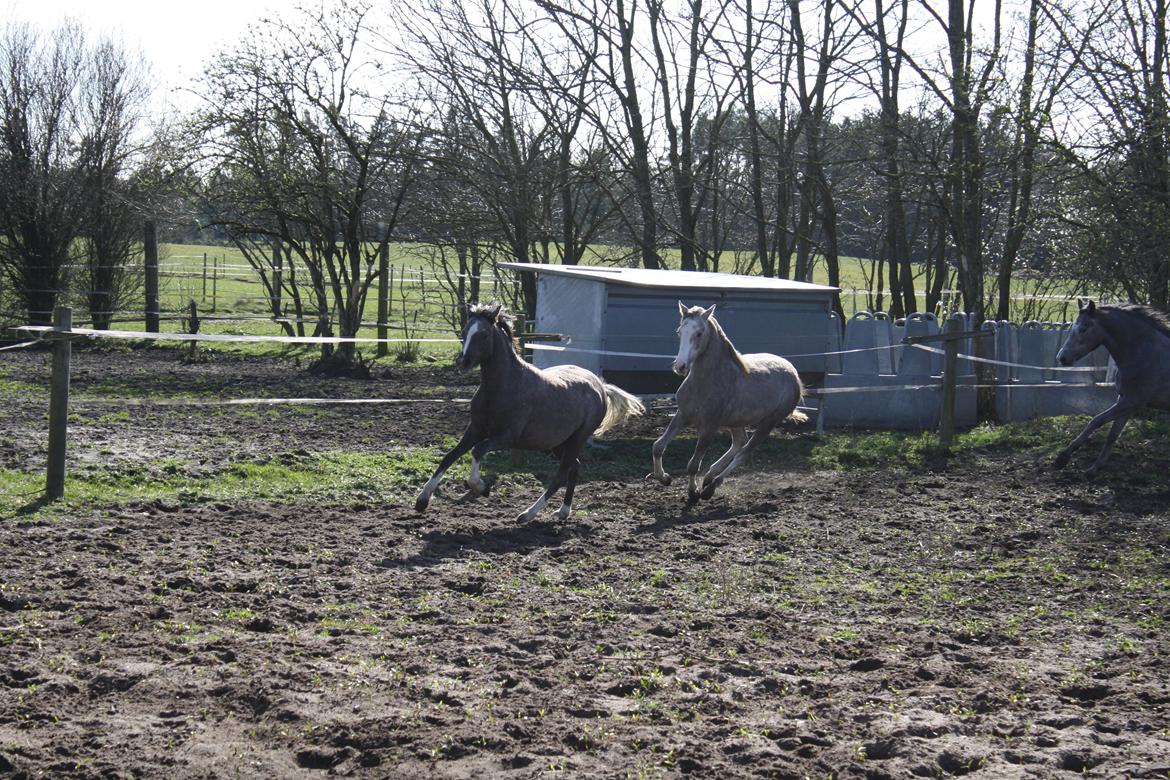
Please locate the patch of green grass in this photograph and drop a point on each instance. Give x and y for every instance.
(16, 388)
(346, 477)
(328, 477)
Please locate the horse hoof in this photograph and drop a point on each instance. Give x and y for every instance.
(564, 512)
(708, 491)
(1061, 461)
(523, 518)
(421, 504)
(692, 499)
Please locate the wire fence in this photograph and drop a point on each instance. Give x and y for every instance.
(226, 288)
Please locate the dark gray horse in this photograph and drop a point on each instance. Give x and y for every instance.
(519, 406)
(724, 389)
(1138, 338)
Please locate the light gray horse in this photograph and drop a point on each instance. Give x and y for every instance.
(519, 406)
(723, 389)
(1138, 338)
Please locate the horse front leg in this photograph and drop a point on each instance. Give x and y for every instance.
(1110, 440)
(671, 431)
(706, 438)
(470, 437)
(1063, 457)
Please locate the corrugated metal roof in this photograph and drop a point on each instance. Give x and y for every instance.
(645, 277)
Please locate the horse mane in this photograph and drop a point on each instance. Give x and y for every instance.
(1158, 320)
(495, 313)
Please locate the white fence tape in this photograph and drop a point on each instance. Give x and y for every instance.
(961, 356)
(45, 330)
(975, 359)
(819, 391)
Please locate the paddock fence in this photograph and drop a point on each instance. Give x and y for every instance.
(881, 373)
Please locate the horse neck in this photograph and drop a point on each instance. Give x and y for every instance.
(719, 351)
(504, 363)
(1121, 347)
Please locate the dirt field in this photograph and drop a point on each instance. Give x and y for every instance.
(984, 618)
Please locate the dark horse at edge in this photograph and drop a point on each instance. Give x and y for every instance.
(1138, 339)
(519, 406)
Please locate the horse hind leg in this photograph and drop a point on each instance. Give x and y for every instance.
(571, 485)
(738, 439)
(1112, 412)
(476, 485)
(743, 454)
(568, 469)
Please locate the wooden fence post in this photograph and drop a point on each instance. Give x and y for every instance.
(203, 298)
(150, 250)
(214, 282)
(59, 403)
(277, 278)
(383, 299)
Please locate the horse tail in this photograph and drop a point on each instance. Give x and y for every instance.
(619, 406)
(797, 416)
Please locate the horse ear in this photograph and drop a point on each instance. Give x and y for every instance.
(682, 310)
(1090, 308)
(708, 312)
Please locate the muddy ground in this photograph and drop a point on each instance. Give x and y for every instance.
(981, 617)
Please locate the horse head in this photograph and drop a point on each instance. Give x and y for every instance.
(694, 334)
(1086, 335)
(479, 336)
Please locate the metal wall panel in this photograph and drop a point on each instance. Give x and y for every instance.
(786, 324)
(573, 307)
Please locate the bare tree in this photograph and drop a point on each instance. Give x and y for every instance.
(1118, 135)
(41, 184)
(112, 102)
(690, 88)
(303, 152)
(479, 65)
(610, 29)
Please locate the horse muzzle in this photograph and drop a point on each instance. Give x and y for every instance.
(1064, 359)
(679, 368)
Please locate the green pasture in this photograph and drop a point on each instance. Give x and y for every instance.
(231, 300)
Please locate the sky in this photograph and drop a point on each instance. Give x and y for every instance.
(175, 39)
